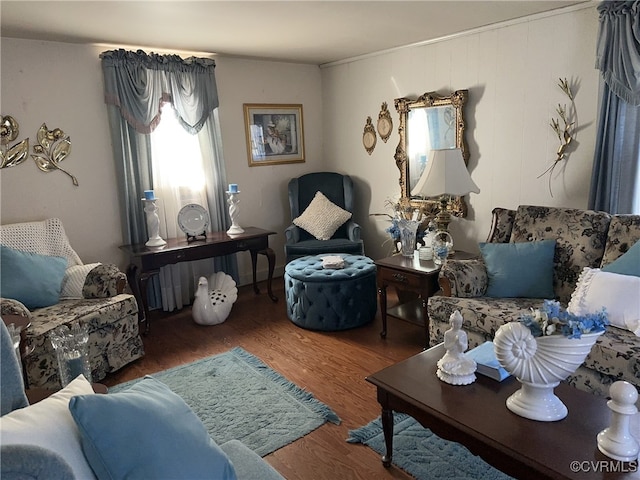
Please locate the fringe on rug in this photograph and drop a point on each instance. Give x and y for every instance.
(373, 428)
(301, 395)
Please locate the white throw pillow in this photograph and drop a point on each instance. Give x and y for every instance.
(618, 294)
(322, 217)
(73, 280)
(49, 424)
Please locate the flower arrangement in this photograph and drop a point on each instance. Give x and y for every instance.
(399, 213)
(553, 319)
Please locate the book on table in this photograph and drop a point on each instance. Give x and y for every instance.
(488, 365)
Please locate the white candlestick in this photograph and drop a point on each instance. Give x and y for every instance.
(234, 211)
(153, 223)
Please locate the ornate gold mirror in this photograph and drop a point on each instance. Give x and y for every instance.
(430, 122)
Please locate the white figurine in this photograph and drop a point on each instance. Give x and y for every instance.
(212, 307)
(455, 367)
(616, 441)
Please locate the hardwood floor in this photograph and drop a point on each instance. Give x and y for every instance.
(331, 365)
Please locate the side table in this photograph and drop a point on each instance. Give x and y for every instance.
(410, 274)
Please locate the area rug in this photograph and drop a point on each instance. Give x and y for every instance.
(421, 453)
(238, 397)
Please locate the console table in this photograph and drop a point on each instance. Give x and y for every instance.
(409, 274)
(146, 261)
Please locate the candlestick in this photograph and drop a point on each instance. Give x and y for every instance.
(153, 222)
(233, 188)
(149, 195)
(234, 210)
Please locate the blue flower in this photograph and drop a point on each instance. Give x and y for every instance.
(552, 318)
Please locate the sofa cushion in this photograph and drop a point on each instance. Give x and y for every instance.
(618, 294)
(48, 424)
(33, 279)
(322, 217)
(624, 231)
(73, 280)
(580, 239)
(522, 269)
(156, 435)
(626, 264)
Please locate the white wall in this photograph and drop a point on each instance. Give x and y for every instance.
(511, 72)
(61, 84)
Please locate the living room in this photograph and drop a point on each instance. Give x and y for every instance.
(510, 69)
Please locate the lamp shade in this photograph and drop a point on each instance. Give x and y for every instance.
(445, 174)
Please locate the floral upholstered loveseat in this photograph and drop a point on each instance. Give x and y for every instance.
(91, 295)
(584, 238)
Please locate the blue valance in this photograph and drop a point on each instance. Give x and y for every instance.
(138, 83)
(618, 48)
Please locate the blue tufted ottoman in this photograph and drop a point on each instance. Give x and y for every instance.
(331, 299)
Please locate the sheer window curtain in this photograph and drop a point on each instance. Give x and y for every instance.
(136, 84)
(615, 181)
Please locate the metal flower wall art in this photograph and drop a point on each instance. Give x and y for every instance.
(52, 148)
(11, 155)
(565, 131)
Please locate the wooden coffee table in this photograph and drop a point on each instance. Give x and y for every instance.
(476, 416)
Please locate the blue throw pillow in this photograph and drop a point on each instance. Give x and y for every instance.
(627, 264)
(146, 431)
(35, 280)
(523, 269)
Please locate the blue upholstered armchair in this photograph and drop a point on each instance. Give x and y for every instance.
(338, 189)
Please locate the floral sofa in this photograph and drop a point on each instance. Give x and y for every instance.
(583, 238)
(92, 295)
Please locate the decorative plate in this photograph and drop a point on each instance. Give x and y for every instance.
(193, 219)
(385, 124)
(369, 138)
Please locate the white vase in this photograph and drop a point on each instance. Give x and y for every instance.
(539, 364)
(408, 230)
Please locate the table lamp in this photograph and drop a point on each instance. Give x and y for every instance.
(445, 175)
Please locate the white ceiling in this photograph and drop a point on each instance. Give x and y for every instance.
(303, 31)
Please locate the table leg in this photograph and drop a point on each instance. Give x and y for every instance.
(382, 295)
(387, 429)
(138, 284)
(426, 321)
(271, 259)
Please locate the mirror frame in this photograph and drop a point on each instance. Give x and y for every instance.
(457, 99)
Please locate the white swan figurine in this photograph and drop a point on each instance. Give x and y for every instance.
(214, 299)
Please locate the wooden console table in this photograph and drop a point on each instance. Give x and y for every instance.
(146, 261)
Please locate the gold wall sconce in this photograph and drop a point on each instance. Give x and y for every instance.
(52, 148)
(564, 132)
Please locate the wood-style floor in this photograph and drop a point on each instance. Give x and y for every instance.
(331, 365)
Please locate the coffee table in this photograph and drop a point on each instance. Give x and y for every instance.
(476, 416)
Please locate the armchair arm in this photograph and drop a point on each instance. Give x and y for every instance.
(463, 278)
(292, 234)
(106, 280)
(9, 306)
(353, 230)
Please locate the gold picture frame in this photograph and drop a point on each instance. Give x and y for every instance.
(274, 133)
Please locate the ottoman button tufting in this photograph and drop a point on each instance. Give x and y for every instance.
(341, 298)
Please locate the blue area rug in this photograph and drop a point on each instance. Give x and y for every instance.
(421, 453)
(238, 397)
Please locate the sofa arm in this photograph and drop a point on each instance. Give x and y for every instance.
(463, 278)
(9, 306)
(105, 280)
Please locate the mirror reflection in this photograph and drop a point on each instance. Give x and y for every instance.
(430, 122)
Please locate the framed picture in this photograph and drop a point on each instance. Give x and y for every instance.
(274, 133)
